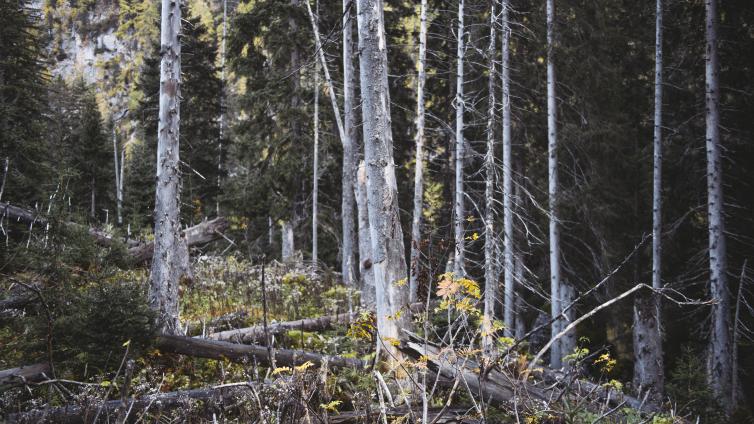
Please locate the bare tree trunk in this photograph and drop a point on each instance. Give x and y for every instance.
(388, 257)
(648, 360)
(222, 108)
(348, 265)
(365, 240)
(459, 210)
(315, 165)
(719, 371)
(287, 245)
(93, 204)
(170, 260)
(568, 341)
(508, 245)
(552, 164)
(490, 274)
(416, 220)
(519, 303)
(5, 176)
(117, 176)
(121, 177)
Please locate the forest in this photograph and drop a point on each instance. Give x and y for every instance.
(373, 211)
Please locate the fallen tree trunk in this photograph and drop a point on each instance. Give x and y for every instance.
(138, 252)
(214, 349)
(199, 234)
(505, 390)
(22, 375)
(257, 332)
(86, 412)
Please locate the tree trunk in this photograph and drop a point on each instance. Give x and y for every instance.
(648, 358)
(199, 234)
(23, 375)
(315, 164)
(490, 274)
(416, 220)
(719, 371)
(366, 270)
(235, 352)
(222, 108)
(459, 210)
(287, 246)
(509, 317)
(568, 341)
(256, 333)
(388, 257)
(552, 165)
(117, 177)
(348, 264)
(170, 260)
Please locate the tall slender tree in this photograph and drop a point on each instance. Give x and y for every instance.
(648, 356)
(508, 254)
(490, 277)
(388, 259)
(416, 221)
(170, 259)
(459, 210)
(719, 372)
(348, 263)
(315, 161)
(552, 166)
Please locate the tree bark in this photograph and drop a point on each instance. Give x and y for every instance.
(199, 234)
(213, 349)
(388, 257)
(719, 371)
(22, 375)
(170, 260)
(490, 274)
(508, 245)
(287, 247)
(315, 164)
(256, 333)
(366, 270)
(648, 353)
(348, 264)
(416, 220)
(552, 165)
(459, 209)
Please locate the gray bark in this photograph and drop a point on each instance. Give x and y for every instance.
(552, 165)
(365, 240)
(518, 267)
(348, 264)
(170, 260)
(256, 333)
(388, 257)
(416, 220)
(648, 367)
(459, 210)
(509, 311)
(568, 341)
(719, 371)
(222, 107)
(315, 164)
(490, 274)
(117, 177)
(648, 360)
(286, 234)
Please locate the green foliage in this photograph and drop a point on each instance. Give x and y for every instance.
(687, 386)
(92, 324)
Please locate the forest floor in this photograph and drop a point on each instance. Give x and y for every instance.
(145, 383)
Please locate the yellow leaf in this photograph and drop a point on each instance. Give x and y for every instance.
(332, 406)
(277, 371)
(127, 342)
(303, 367)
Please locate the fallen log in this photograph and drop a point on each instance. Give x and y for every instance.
(435, 415)
(199, 234)
(504, 390)
(138, 252)
(86, 412)
(23, 375)
(213, 349)
(257, 332)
